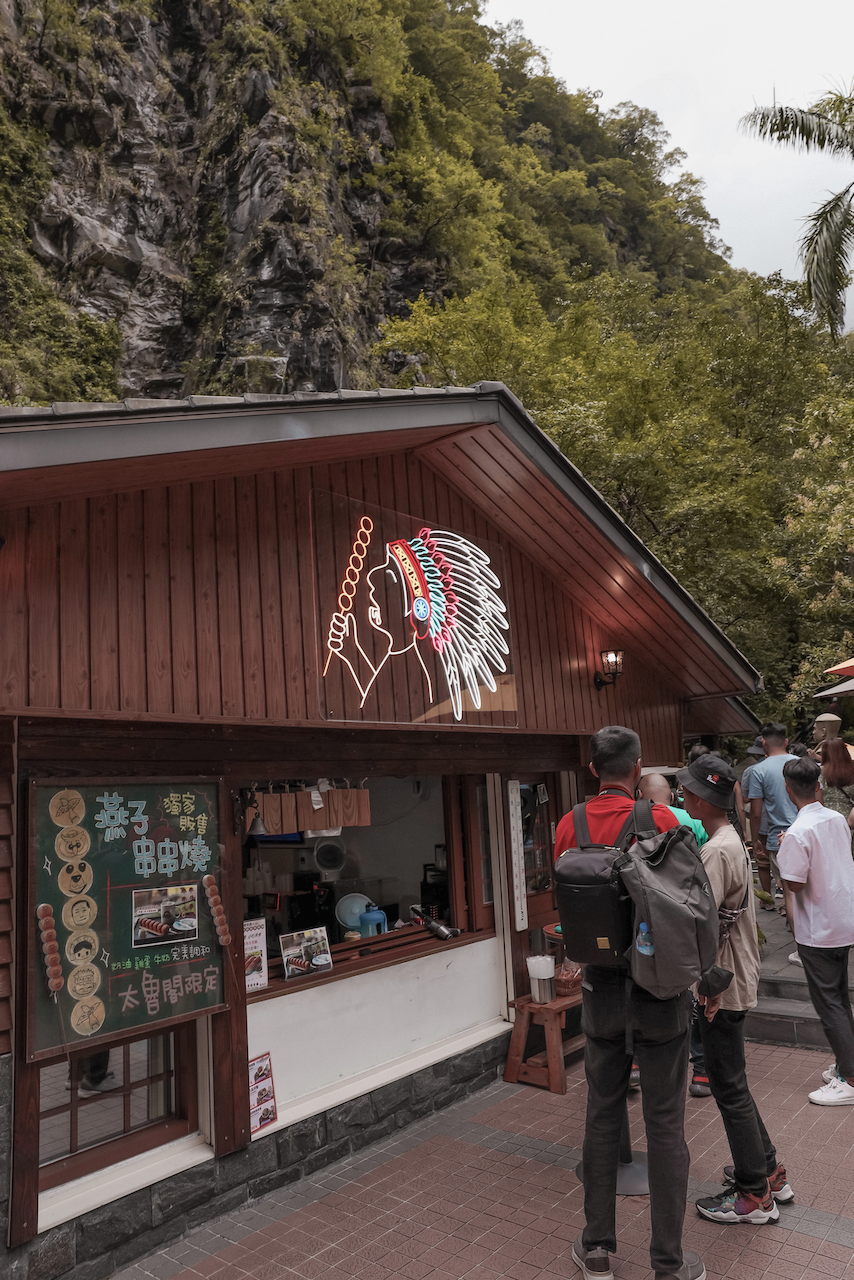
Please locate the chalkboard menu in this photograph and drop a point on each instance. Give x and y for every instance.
(126, 923)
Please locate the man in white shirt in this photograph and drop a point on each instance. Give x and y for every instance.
(815, 861)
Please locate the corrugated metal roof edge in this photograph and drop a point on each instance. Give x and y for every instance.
(108, 408)
(510, 415)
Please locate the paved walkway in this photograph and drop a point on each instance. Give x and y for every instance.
(779, 945)
(487, 1189)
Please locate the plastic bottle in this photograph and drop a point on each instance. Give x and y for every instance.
(644, 943)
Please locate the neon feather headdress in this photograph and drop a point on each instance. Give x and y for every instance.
(454, 603)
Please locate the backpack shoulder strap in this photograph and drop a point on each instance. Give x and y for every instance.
(643, 821)
(579, 823)
(749, 888)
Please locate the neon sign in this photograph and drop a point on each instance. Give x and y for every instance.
(432, 591)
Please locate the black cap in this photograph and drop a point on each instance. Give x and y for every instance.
(757, 749)
(710, 778)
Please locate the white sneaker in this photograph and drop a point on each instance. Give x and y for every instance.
(836, 1093)
(794, 958)
(830, 1074)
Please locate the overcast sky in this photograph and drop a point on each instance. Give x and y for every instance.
(701, 67)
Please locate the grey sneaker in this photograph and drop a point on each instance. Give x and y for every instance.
(595, 1263)
(692, 1269)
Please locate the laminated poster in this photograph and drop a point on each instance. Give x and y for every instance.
(262, 1095)
(255, 953)
(305, 953)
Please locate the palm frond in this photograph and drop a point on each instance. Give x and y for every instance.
(826, 251)
(805, 130)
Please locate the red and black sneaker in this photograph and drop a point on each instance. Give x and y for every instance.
(699, 1087)
(780, 1189)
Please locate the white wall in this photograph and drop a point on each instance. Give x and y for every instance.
(322, 1036)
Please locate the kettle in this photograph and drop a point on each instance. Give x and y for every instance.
(372, 921)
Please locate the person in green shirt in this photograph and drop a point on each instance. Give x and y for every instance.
(656, 788)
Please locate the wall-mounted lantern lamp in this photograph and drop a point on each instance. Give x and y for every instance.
(612, 666)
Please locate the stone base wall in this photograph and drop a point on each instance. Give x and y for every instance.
(99, 1244)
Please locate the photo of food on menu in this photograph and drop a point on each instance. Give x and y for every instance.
(262, 1097)
(166, 914)
(255, 953)
(305, 953)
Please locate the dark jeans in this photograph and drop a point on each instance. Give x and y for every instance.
(826, 972)
(752, 1150)
(661, 1050)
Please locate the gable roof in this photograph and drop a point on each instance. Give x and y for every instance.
(480, 439)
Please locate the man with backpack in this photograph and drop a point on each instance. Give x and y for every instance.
(619, 1018)
(757, 1180)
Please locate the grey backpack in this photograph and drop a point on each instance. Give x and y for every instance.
(664, 877)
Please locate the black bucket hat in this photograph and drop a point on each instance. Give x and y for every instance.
(710, 778)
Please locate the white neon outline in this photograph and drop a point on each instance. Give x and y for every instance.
(469, 645)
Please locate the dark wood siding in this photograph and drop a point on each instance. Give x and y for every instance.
(197, 601)
(7, 811)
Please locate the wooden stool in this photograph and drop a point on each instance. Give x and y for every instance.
(547, 1070)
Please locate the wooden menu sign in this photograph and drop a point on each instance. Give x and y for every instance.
(126, 928)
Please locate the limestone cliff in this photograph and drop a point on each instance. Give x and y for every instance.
(198, 209)
(248, 187)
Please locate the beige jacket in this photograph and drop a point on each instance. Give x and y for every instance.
(728, 869)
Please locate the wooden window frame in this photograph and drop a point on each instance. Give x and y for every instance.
(482, 913)
(185, 1120)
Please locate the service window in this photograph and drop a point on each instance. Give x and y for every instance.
(421, 843)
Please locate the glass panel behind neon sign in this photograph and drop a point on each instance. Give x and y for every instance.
(413, 619)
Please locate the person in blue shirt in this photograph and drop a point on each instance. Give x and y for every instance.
(771, 809)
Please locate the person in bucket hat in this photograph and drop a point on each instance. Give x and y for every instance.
(756, 1180)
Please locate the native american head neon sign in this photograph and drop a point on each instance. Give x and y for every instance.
(434, 590)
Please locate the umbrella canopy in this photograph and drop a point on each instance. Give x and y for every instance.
(838, 690)
(841, 669)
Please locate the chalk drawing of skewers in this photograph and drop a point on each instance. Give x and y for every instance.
(435, 589)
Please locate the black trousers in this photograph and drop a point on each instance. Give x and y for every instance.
(826, 972)
(660, 1033)
(752, 1150)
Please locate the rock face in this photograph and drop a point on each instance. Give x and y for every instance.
(212, 206)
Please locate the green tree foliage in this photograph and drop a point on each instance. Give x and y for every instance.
(47, 351)
(704, 416)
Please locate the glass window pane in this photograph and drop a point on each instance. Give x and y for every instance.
(537, 845)
(54, 1137)
(105, 1094)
